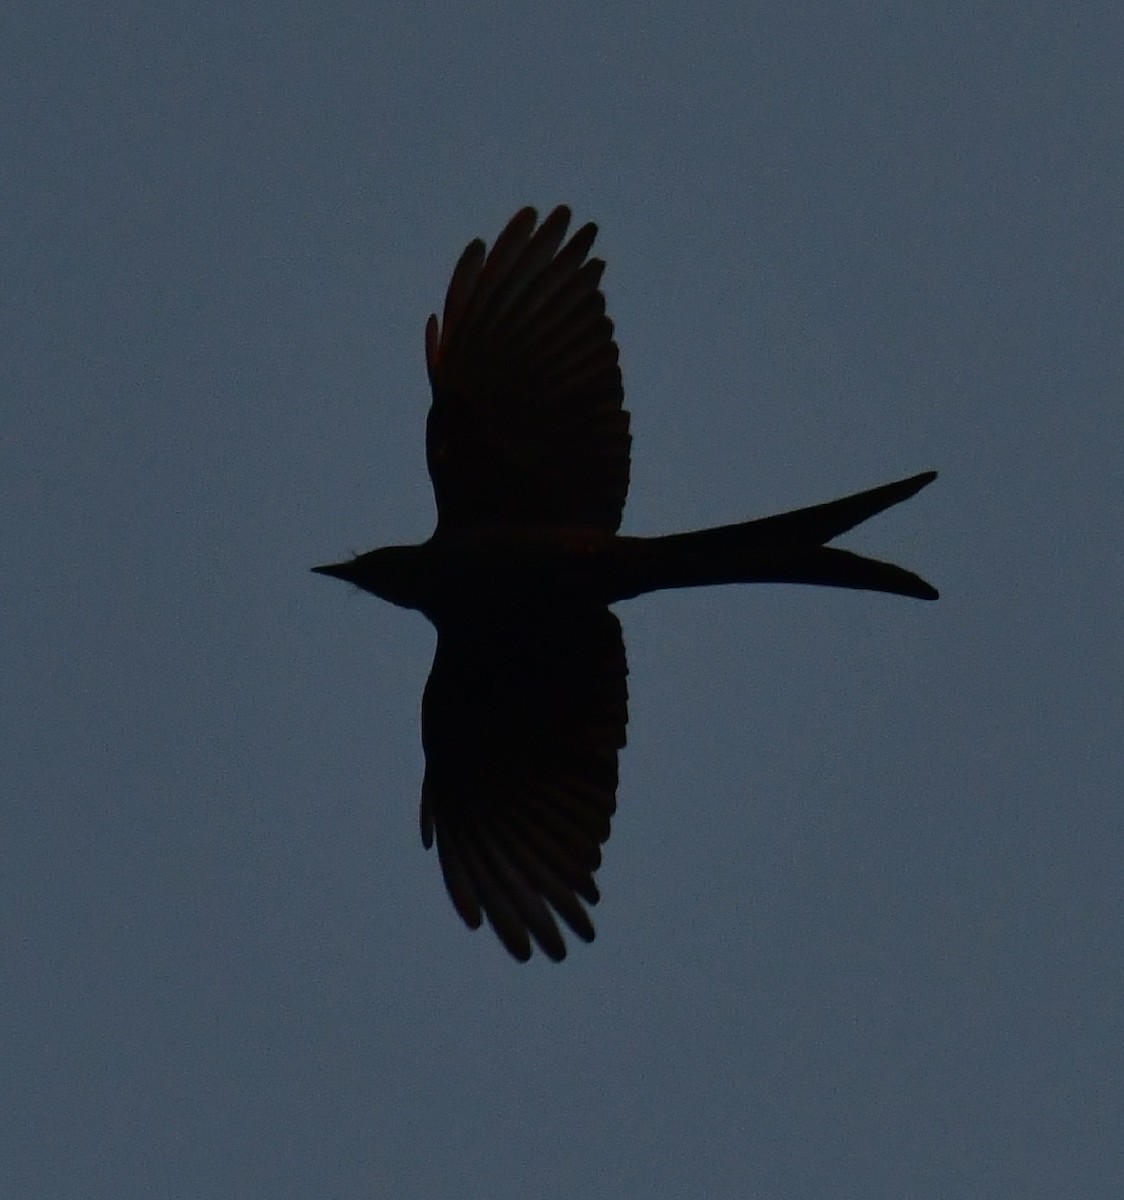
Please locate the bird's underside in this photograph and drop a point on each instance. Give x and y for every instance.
(527, 444)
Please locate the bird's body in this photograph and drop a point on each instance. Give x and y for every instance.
(526, 705)
(493, 568)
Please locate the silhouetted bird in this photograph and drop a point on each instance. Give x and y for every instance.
(525, 710)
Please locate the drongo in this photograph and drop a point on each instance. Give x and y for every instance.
(527, 444)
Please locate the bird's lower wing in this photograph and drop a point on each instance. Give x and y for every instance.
(522, 721)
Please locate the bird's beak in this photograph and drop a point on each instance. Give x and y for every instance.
(336, 570)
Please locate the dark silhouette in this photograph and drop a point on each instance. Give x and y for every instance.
(525, 710)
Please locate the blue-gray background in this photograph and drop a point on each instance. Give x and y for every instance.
(862, 927)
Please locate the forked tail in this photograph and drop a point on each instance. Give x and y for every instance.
(787, 548)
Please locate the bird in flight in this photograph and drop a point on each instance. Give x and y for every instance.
(527, 444)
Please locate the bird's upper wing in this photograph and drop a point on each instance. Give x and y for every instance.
(527, 425)
(522, 721)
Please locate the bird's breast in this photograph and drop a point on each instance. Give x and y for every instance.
(494, 568)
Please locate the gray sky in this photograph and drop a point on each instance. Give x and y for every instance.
(862, 929)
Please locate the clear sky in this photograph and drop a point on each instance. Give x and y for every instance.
(863, 930)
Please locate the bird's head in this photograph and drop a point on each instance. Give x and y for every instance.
(395, 573)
